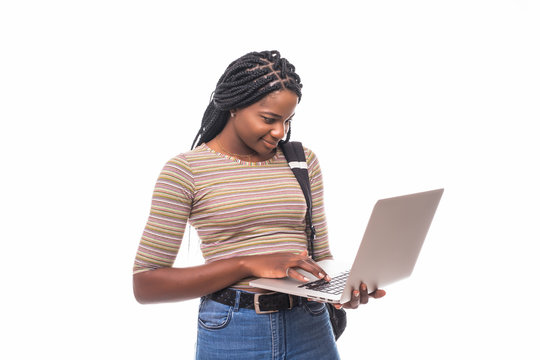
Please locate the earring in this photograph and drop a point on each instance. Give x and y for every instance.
(232, 114)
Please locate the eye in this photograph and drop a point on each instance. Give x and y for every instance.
(268, 120)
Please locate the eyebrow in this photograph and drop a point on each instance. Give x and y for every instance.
(275, 115)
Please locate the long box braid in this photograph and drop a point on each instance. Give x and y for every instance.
(246, 81)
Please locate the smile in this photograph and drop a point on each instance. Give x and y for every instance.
(270, 143)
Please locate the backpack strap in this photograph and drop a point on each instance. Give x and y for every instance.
(294, 153)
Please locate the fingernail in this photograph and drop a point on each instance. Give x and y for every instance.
(306, 279)
(356, 293)
(321, 275)
(364, 287)
(339, 306)
(328, 278)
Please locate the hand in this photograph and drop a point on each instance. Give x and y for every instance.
(361, 296)
(281, 265)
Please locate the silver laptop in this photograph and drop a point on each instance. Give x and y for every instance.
(388, 252)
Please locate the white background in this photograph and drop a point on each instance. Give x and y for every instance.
(399, 97)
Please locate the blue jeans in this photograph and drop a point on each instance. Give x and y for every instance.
(230, 332)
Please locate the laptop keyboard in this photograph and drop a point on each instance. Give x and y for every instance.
(335, 286)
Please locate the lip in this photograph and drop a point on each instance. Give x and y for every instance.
(271, 144)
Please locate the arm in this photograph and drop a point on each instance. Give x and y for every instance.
(177, 284)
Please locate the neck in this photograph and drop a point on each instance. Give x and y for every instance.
(225, 149)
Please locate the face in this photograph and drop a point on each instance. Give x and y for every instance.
(259, 127)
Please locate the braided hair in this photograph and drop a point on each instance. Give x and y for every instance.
(246, 81)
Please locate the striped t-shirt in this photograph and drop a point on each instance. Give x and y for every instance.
(238, 208)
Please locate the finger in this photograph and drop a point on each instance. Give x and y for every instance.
(296, 275)
(355, 300)
(377, 294)
(312, 267)
(364, 297)
(305, 257)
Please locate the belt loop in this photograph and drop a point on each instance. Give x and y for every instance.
(237, 300)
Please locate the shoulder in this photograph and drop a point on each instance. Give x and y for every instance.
(182, 168)
(312, 162)
(188, 160)
(293, 147)
(178, 164)
(311, 157)
(192, 164)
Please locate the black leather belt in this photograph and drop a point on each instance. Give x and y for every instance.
(262, 303)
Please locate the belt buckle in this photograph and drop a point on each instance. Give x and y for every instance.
(257, 307)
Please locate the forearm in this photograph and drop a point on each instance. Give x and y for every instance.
(178, 284)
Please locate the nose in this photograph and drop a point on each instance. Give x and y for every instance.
(278, 130)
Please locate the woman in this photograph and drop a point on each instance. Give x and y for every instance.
(237, 190)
